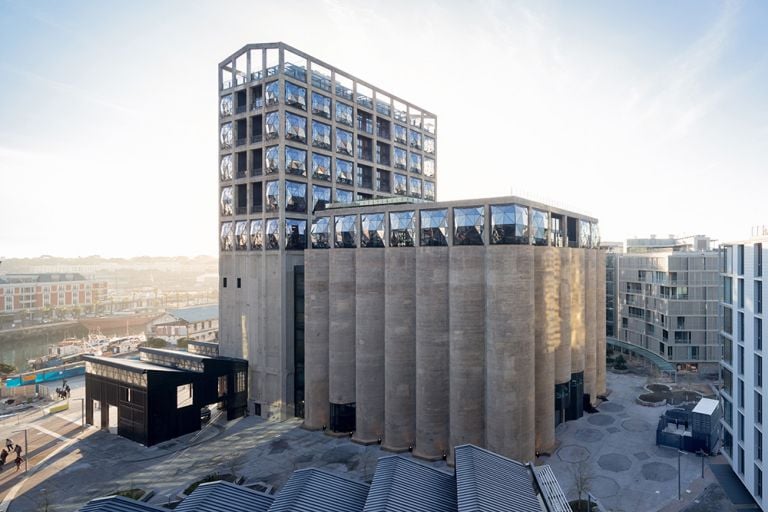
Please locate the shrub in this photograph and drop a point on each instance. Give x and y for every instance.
(620, 363)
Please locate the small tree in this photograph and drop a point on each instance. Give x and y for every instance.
(621, 363)
(582, 479)
(155, 343)
(183, 342)
(6, 369)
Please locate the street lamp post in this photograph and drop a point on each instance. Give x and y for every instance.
(82, 410)
(26, 447)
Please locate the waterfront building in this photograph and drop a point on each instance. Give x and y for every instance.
(49, 292)
(429, 326)
(744, 328)
(296, 134)
(198, 323)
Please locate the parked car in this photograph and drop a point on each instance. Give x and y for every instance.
(205, 414)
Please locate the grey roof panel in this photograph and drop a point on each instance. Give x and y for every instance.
(225, 497)
(314, 490)
(404, 484)
(488, 482)
(118, 504)
(196, 313)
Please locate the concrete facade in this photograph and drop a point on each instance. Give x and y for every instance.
(476, 336)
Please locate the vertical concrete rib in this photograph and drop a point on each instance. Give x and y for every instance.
(563, 349)
(432, 395)
(590, 323)
(509, 352)
(316, 413)
(467, 346)
(547, 325)
(400, 349)
(578, 330)
(369, 348)
(341, 335)
(600, 323)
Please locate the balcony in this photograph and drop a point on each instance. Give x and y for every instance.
(256, 171)
(256, 208)
(240, 109)
(258, 103)
(256, 75)
(241, 210)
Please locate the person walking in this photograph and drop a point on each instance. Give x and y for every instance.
(3, 457)
(18, 462)
(9, 444)
(18, 450)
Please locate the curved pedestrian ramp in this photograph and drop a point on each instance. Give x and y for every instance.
(483, 481)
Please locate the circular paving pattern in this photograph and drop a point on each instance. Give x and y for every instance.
(573, 453)
(611, 407)
(603, 487)
(615, 462)
(659, 471)
(635, 425)
(601, 419)
(666, 453)
(590, 435)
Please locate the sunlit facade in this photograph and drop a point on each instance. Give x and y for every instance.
(296, 134)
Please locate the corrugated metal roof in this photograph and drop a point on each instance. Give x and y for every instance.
(488, 482)
(550, 489)
(224, 496)
(314, 490)
(118, 504)
(404, 484)
(196, 314)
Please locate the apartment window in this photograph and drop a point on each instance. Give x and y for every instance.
(727, 290)
(758, 482)
(741, 427)
(759, 297)
(321, 135)
(741, 325)
(321, 105)
(728, 320)
(758, 408)
(740, 259)
(239, 282)
(758, 445)
(740, 288)
(224, 282)
(758, 334)
(758, 260)
(741, 396)
(758, 370)
(344, 114)
(741, 461)
(741, 360)
(728, 411)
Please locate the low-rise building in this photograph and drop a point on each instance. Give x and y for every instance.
(50, 292)
(199, 323)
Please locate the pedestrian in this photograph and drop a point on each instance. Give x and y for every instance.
(67, 390)
(3, 457)
(18, 462)
(18, 450)
(9, 444)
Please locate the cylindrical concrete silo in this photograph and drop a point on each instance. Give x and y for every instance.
(547, 325)
(563, 349)
(590, 323)
(400, 349)
(341, 335)
(316, 340)
(601, 323)
(578, 328)
(432, 395)
(510, 389)
(369, 350)
(467, 345)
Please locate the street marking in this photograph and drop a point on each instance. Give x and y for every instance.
(49, 432)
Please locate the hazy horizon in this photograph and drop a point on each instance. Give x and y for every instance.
(650, 116)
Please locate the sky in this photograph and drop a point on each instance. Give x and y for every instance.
(650, 115)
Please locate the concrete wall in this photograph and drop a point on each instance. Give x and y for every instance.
(563, 349)
(590, 324)
(601, 312)
(341, 336)
(578, 327)
(316, 341)
(547, 340)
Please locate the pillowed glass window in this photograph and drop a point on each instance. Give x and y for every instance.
(272, 238)
(402, 227)
(401, 134)
(225, 105)
(321, 167)
(226, 136)
(344, 114)
(226, 201)
(321, 196)
(344, 172)
(272, 93)
(372, 230)
(295, 96)
(295, 128)
(539, 227)
(509, 224)
(241, 235)
(321, 135)
(345, 231)
(343, 196)
(257, 234)
(271, 125)
(415, 187)
(429, 190)
(401, 158)
(295, 234)
(468, 224)
(321, 233)
(225, 168)
(272, 196)
(295, 197)
(434, 227)
(595, 234)
(585, 234)
(414, 139)
(344, 142)
(321, 105)
(415, 163)
(429, 145)
(295, 161)
(401, 185)
(272, 160)
(226, 237)
(429, 167)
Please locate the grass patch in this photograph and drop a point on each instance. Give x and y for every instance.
(134, 494)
